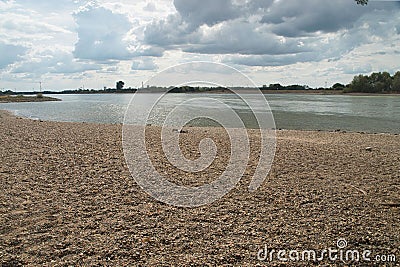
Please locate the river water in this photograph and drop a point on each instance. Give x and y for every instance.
(377, 114)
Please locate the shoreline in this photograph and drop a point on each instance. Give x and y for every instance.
(68, 198)
(301, 92)
(343, 131)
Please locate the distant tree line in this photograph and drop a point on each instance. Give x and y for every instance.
(277, 86)
(6, 92)
(197, 89)
(94, 91)
(377, 82)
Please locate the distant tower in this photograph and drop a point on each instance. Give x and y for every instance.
(40, 87)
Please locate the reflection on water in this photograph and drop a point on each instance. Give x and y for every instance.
(291, 111)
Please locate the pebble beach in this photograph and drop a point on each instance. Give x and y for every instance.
(67, 198)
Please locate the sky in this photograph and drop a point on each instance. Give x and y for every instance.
(91, 44)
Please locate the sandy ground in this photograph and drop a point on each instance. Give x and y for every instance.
(67, 199)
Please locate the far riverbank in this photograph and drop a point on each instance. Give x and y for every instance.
(22, 98)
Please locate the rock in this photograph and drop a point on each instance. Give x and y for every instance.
(392, 205)
(368, 149)
(179, 131)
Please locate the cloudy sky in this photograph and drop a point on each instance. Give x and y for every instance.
(68, 44)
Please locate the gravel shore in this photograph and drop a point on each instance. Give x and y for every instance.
(68, 199)
(21, 98)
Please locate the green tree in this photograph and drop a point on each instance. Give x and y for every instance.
(386, 79)
(120, 85)
(338, 86)
(396, 82)
(362, 84)
(380, 82)
(275, 86)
